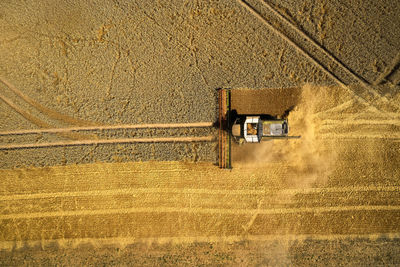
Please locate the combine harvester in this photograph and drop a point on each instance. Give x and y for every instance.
(252, 116)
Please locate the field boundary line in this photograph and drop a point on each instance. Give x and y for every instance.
(108, 127)
(275, 211)
(111, 192)
(109, 141)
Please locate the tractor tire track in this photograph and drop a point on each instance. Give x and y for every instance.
(24, 114)
(162, 197)
(389, 70)
(38, 121)
(109, 141)
(47, 111)
(280, 211)
(322, 228)
(394, 138)
(360, 122)
(355, 76)
(370, 92)
(108, 127)
(241, 192)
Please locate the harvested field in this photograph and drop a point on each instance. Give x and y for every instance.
(108, 150)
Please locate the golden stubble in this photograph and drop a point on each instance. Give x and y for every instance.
(309, 159)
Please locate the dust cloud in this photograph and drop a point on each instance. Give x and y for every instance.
(308, 159)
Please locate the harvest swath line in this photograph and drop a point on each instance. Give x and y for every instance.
(361, 122)
(108, 127)
(395, 138)
(311, 57)
(336, 109)
(130, 191)
(198, 211)
(109, 141)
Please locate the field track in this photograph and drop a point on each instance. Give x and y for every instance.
(109, 141)
(153, 210)
(47, 111)
(82, 139)
(390, 69)
(37, 121)
(109, 127)
(24, 113)
(370, 92)
(321, 48)
(127, 191)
